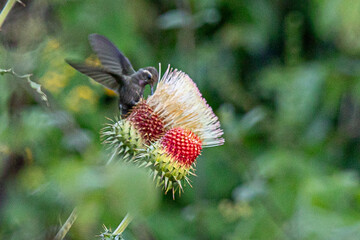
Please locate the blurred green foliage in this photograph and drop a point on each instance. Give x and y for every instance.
(283, 77)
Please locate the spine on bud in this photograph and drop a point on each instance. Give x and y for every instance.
(123, 138)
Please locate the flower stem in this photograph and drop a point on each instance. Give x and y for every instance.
(9, 5)
(123, 225)
(67, 225)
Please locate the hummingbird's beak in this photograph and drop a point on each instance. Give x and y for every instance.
(152, 89)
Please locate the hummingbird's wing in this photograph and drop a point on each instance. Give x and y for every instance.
(99, 74)
(111, 57)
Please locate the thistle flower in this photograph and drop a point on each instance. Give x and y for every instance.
(179, 103)
(130, 136)
(172, 158)
(167, 132)
(148, 123)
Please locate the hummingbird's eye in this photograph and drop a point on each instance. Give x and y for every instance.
(148, 76)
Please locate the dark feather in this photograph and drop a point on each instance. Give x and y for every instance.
(110, 56)
(99, 74)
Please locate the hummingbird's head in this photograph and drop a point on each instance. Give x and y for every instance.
(149, 75)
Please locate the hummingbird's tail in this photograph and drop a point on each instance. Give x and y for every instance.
(99, 74)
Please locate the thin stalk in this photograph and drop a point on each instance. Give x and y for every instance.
(123, 225)
(67, 225)
(9, 5)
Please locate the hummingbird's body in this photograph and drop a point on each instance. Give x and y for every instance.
(117, 73)
(132, 90)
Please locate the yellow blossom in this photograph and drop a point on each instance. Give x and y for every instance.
(51, 45)
(54, 81)
(81, 98)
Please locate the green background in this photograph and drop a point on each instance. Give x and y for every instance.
(282, 76)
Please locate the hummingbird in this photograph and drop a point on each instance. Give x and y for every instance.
(117, 73)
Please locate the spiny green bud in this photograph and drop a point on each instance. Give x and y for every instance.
(123, 138)
(108, 235)
(172, 158)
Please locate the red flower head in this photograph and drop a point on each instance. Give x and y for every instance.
(147, 122)
(182, 145)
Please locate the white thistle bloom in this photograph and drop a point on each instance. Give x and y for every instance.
(179, 103)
